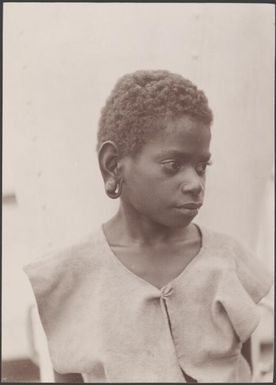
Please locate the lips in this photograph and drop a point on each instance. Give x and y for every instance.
(191, 205)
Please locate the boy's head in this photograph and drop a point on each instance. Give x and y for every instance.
(153, 146)
(143, 102)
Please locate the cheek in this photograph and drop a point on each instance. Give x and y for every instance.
(146, 189)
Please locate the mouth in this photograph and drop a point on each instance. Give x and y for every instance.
(191, 206)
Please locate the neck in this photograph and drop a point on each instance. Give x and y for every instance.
(130, 226)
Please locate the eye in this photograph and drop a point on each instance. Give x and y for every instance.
(201, 167)
(171, 166)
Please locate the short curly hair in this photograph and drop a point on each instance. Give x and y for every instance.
(142, 102)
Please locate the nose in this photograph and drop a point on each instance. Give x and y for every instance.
(192, 182)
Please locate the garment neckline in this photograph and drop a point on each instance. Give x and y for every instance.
(173, 281)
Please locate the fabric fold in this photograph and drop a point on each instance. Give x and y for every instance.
(242, 311)
(105, 323)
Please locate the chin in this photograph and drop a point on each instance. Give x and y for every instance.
(183, 221)
(177, 222)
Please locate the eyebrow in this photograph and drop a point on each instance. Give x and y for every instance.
(181, 155)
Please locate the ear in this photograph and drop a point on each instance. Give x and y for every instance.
(108, 157)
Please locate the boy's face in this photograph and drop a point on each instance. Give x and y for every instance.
(164, 182)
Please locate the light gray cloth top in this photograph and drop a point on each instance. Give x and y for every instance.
(107, 323)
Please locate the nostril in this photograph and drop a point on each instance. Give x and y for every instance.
(194, 185)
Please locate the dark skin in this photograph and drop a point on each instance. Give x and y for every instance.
(152, 233)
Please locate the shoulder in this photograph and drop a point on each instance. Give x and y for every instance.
(219, 240)
(69, 263)
(250, 270)
(64, 283)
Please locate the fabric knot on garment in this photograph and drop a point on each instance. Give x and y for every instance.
(166, 291)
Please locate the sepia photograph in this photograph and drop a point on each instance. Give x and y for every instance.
(138, 192)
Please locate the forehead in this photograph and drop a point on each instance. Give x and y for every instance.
(185, 135)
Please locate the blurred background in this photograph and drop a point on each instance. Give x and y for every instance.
(60, 62)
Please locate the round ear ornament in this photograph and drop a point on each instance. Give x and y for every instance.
(113, 188)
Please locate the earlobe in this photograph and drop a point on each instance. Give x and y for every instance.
(113, 189)
(108, 157)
